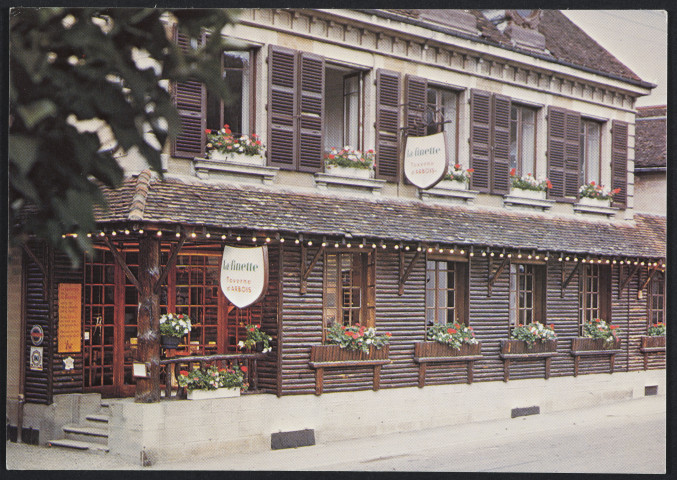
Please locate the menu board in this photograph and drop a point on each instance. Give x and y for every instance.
(70, 317)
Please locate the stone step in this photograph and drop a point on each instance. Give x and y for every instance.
(98, 417)
(79, 445)
(87, 433)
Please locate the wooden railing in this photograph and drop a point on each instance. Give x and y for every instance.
(250, 360)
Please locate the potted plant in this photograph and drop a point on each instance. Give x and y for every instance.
(451, 339)
(352, 342)
(213, 382)
(528, 185)
(173, 328)
(533, 338)
(596, 195)
(256, 339)
(457, 178)
(597, 335)
(654, 338)
(223, 145)
(349, 162)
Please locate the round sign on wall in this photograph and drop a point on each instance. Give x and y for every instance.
(244, 274)
(37, 335)
(425, 160)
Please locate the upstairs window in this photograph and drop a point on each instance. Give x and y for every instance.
(590, 155)
(343, 108)
(236, 68)
(522, 139)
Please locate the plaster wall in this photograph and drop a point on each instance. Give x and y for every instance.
(651, 193)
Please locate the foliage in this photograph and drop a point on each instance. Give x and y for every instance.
(356, 337)
(349, 157)
(174, 325)
(598, 328)
(458, 174)
(224, 141)
(452, 334)
(657, 330)
(600, 192)
(532, 332)
(85, 85)
(529, 182)
(254, 335)
(213, 378)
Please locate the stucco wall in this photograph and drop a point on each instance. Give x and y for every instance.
(651, 193)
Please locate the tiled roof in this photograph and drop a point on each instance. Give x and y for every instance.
(564, 41)
(651, 137)
(186, 202)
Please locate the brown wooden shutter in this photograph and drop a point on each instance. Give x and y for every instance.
(311, 108)
(415, 102)
(619, 162)
(480, 138)
(572, 155)
(282, 107)
(500, 160)
(556, 146)
(387, 124)
(605, 292)
(190, 99)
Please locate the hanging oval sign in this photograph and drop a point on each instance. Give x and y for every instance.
(244, 274)
(425, 160)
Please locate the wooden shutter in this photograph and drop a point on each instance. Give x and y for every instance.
(619, 162)
(572, 154)
(282, 106)
(415, 103)
(556, 147)
(311, 98)
(500, 159)
(190, 99)
(480, 138)
(604, 292)
(387, 124)
(371, 289)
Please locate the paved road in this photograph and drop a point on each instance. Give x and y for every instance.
(624, 437)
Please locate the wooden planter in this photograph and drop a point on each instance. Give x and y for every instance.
(585, 346)
(435, 352)
(519, 350)
(333, 356)
(651, 344)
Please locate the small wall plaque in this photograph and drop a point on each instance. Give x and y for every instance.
(140, 370)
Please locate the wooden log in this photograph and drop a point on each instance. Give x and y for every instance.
(148, 389)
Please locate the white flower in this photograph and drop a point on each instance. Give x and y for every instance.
(240, 344)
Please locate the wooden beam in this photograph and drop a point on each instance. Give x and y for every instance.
(651, 274)
(148, 326)
(35, 259)
(170, 264)
(305, 272)
(627, 280)
(122, 263)
(407, 272)
(492, 278)
(571, 275)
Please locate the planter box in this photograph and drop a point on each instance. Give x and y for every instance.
(210, 394)
(435, 352)
(452, 185)
(333, 356)
(586, 344)
(651, 344)
(436, 349)
(349, 172)
(238, 158)
(519, 350)
(169, 342)
(535, 194)
(334, 353)
(594, 202)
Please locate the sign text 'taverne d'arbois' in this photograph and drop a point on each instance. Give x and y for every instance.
(244, 274)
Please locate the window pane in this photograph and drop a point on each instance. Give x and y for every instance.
(528, 141)
(593, 153)
(449, 126)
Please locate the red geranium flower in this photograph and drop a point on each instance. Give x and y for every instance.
(451, 330)
(512, 172)
(592, 183)
(208, 130)
(549, 184)
(184, 372)
(613, 327)
(457, 166)
(470, 170)
(244, 368)
(388, 334)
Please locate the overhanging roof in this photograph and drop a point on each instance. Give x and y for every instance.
(220, 206)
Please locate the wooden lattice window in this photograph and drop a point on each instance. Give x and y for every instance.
(445, 290)
(656, 299)
(594, 293)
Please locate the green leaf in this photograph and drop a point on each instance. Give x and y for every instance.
(36, 112)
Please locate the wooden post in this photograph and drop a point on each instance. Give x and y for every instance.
(148, 389)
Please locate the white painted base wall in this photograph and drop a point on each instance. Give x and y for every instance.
(180, 429)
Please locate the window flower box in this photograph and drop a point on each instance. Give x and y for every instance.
(350, 172)
(520, 350)
(594, 202)
(238, 158)
(202, 394)
(651, 344)
(333, 356)
(435, 352)
(452, 185)
(587, 346)
(524, 193)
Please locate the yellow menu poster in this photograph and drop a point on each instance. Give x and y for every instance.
(70, 323)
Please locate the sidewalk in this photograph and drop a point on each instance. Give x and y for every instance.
(631, 435)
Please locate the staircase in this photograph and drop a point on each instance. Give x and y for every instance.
(91, 434)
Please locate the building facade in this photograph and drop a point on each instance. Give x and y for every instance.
(513, 94)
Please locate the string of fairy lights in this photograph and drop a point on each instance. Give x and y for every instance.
(348, 242)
